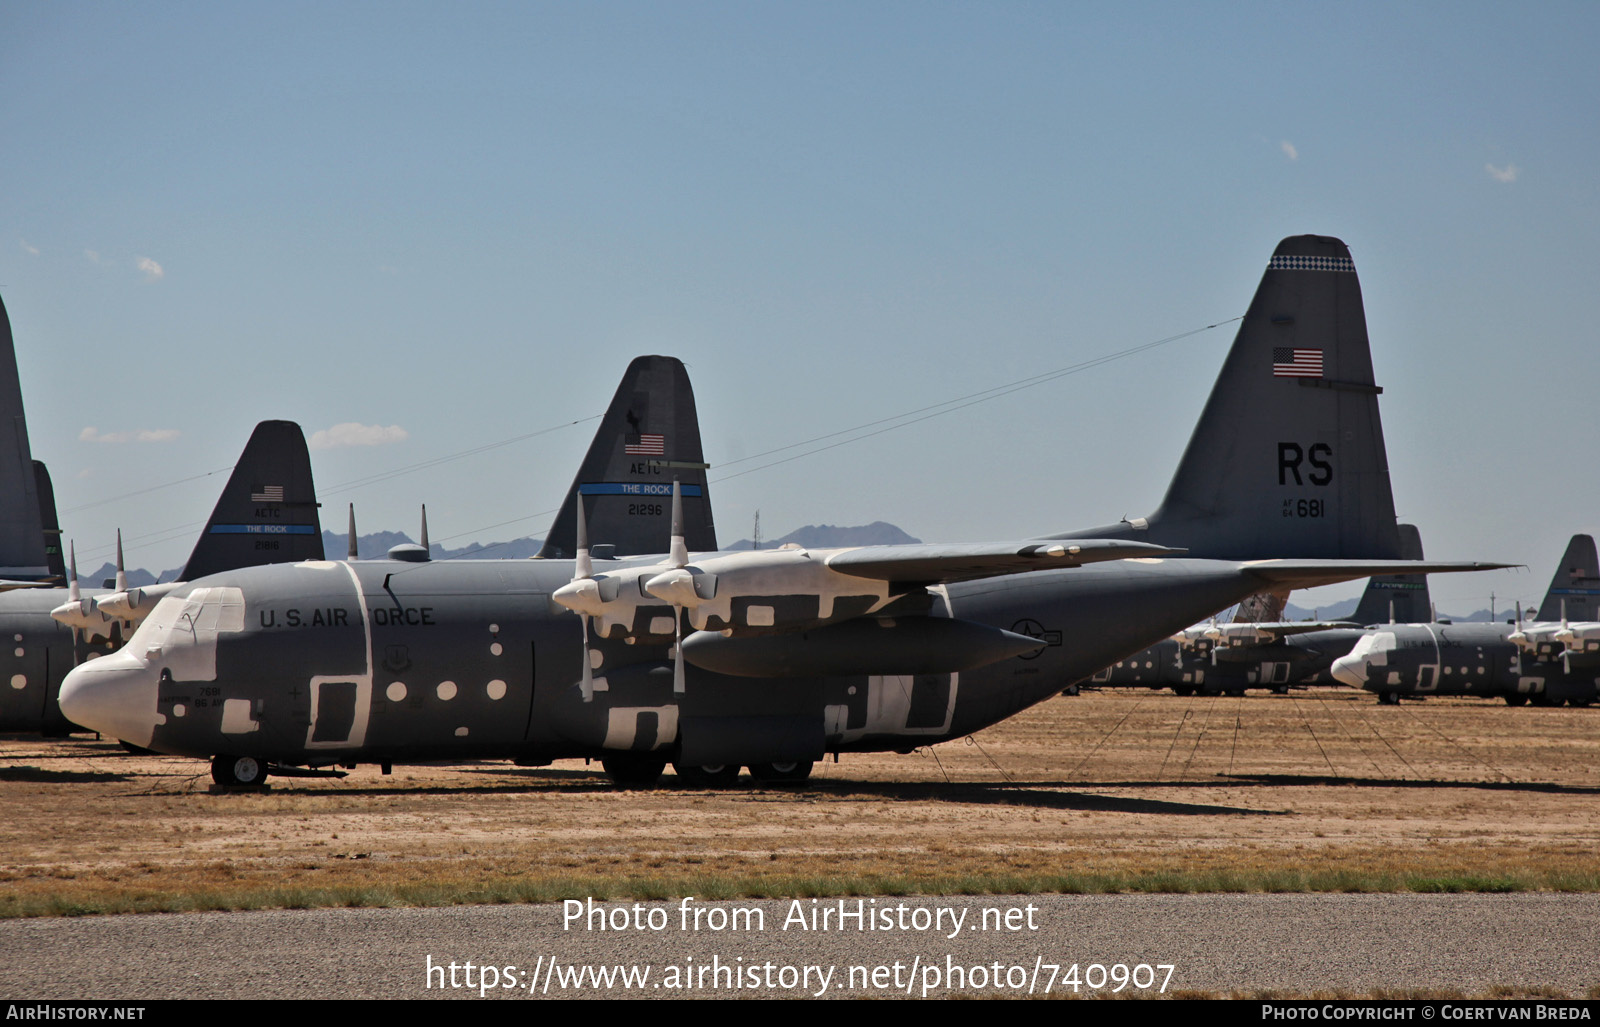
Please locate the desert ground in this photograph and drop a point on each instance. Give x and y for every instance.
(1124, 790)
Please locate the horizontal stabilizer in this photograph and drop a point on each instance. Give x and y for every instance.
(944, 564)
(7, 585)
(1312, 573)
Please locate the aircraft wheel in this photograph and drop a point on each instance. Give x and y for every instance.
(792, 773)
(720, 775)
(630, 770)
(238, 770)
(1280, 689)
(1183, 690)
(1071, 690)
(1389, 698)
(1579, 702)
(1516, 700)
(1544, 700)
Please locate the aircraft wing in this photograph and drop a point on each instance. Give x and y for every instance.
(1311, 573)
(943, 564)
(1248, 633)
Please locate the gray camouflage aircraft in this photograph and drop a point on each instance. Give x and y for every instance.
(1228, 659)
(267, 513)
(768, 659)
(1551, 660)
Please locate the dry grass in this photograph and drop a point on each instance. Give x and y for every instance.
(1118, 791)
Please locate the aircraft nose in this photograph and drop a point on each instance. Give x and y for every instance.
(1350, 670)
(115, 695)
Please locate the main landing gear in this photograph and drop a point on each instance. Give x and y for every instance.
(234, 771)
(635, 770)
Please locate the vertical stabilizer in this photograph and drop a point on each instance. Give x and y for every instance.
(1287, 459)
(1576, 583)
(53, 556)
(22, 555)
(648, 437)
(1404, 594)
(268, 510)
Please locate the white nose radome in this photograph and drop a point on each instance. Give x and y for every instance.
(115, 695)
(1350, 670)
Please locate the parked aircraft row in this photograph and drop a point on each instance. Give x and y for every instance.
(1550, 660)
(632, 640)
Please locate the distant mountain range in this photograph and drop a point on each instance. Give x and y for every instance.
(377, 545)
(1334, 611)
(829, 536)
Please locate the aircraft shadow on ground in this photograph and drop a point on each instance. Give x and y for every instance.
(1051, 795)
(1032, 795)
(1325, 780)
(38, 775)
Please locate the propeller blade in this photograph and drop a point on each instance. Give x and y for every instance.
(351, 552)
(679, 556)
(680, 559)
(122, 574)
(583, 570)
(677, 650)
(586, 686)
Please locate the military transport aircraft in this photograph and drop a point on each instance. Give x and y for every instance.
(1227, 659)
(267, 513)
(1553, 659)
(786, 655)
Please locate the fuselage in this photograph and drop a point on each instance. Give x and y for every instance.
(387, 661)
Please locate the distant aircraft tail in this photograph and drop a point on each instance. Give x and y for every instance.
(1288, 458)
(649, 437)
(1398, 598)
(1576, 583)
(54, 558)
(267, 512)
(22, 551)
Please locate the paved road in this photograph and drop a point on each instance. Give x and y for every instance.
(1217, 943)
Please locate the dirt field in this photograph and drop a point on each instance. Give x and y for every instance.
(1113, 790)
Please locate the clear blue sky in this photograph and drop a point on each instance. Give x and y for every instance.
(458, 222)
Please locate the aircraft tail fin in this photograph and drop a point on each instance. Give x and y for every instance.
(649, 437)
(268, 510)
(54, 558)
(1576, 584)
(22, 551)
(1287, 459)
(1405, 595)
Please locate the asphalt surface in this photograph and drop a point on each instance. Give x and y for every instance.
(1215, 943)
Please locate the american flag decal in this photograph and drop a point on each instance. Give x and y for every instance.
(1296, 363)
(267, 494)
(645, 445)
